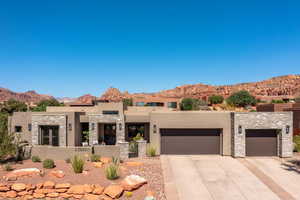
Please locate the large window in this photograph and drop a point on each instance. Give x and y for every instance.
(140, 104)
(110, 112)
(172, 104)
(140, 128)
(49, 135)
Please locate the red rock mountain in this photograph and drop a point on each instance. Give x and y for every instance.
(274, 88)
(28, 97)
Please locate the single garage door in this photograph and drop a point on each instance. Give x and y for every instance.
(262, 142)
(190, 141)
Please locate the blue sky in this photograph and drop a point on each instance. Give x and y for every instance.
(70, 48)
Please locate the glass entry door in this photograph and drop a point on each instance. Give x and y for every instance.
(49, 135)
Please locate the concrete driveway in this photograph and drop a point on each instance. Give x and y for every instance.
(226, 178)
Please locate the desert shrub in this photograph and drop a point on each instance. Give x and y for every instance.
(277, 101)
(127, 102)
(133, 147)
(7, 167)
(216, 99)
(77, 164)
(48, 164)
(128, 194)
(241, 99)
(296, 140)
(42, 105)
(297, 99)
(192, 104)
(115, 160)
(151, 151)
(111, 172)
(35, 159)
(68, 160)
(95, 158)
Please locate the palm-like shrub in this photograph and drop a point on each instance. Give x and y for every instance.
(77, 164)
(151, 151)
(111, 172)
(48, 164)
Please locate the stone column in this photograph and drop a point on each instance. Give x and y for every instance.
(124, 149)
(93, 130)
(142, 148)
(120, 132)
(286, 143)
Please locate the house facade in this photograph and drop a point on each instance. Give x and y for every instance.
(107, 128)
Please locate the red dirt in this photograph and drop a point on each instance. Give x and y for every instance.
(151, 170)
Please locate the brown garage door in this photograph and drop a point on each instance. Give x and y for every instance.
(190, 141)
(261, 142)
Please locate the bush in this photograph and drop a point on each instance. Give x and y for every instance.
(111, 172)
(151, 151)
(77, 164)
(7, 167)
(277, 101)
(95, 158)
(191, 104)
(35, 159)
(296, 140)
(216, 99)
(133, 147)
(48, 164)
(68, 160)
(241, 99)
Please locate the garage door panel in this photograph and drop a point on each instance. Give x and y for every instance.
(190, 141)
(261, 143)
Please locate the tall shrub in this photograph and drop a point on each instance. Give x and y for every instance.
(77, 164)
(216, 99)
(191, 104)
(241, 99)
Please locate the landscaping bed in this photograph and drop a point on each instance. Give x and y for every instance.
(93, 177)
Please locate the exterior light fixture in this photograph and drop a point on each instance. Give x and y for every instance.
(70, 126)
(120, 126)
(287, 129)
(93, 126)
(29, 127)
(240, 129)
(154, 128)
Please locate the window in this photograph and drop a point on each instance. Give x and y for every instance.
(18, 129)
(49, 135)
(110, 112)
(155, 104)
(172, 104)
(140, 103)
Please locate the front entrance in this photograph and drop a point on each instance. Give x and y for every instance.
(49, 135)
(110, 134)
(190, 141)
(261, 142)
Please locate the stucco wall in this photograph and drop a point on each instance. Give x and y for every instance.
(263, 120)
(192, 119)
(21, 119)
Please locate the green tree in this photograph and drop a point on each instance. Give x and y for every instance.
(277, 101)
(127, 102)
(241, 99)
(42, 105)
(216, 99)
(191, 104)
(13, 105)
(7, 146)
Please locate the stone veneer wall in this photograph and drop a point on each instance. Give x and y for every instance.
(52, 120)
(263, 120)
(100, 118)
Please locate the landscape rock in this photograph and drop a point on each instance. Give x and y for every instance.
(133, 164)
(30, 187)
(106, 160)
(14, 175)
(11, 194)
(77, 196)
(62, 186)
(18, 187)
(27, 197)
(91, 197)
(4, 188)
(65, 195)
(114, 191)
(38, 196)
(61, 190)
(57, 173)
(49, 185)
(87, 188)
(98, 164)
(23, 193)
(133, 182)
(98, 190)
(53, 195)
(76, 189)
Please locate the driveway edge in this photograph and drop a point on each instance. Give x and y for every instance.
(169, 186)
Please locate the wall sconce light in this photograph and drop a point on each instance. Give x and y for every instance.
(240, 129)
(120, 126)
(154, 128)
(29, 127)
(70, 126)
(93, 126)
(287, 129)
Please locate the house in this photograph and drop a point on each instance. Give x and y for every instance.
(106, 128)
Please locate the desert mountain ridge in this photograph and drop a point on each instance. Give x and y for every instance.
(274, 88)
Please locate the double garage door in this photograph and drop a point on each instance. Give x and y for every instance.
(190, 141)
